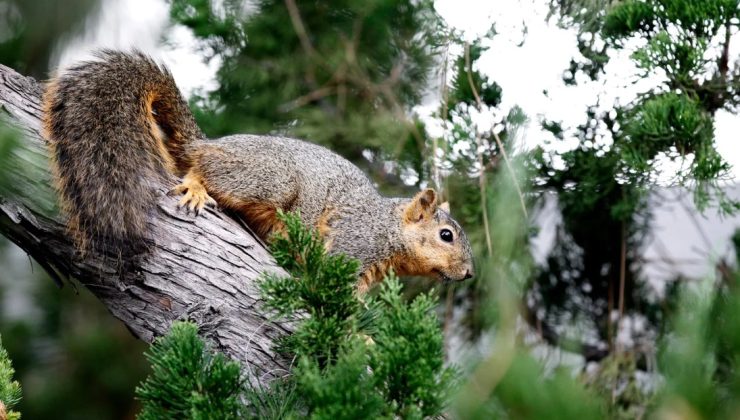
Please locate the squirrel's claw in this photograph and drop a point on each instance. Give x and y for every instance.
(196, 197)
(195, 201)
(187, 198)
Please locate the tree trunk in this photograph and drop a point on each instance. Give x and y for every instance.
(201, 268)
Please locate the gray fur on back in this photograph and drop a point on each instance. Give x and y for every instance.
(362, 223)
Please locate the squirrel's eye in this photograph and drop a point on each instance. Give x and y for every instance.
(445, 235)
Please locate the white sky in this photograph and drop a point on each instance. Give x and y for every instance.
(523, 72)
(122, 25)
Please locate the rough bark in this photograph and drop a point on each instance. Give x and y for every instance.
(201, 269)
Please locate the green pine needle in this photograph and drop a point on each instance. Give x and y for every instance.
(380, 359)
(188, 381)
(10, 390)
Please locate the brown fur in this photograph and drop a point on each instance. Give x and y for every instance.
(160, 138)
(261, 217)
(46, 126)
(323, 226)
(50, 92)
(116, 127)
(374, 275)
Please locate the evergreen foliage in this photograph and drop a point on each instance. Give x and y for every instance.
(619, 381)
(699, 358)
(684, 44)
(9, 141)
(341, 372)
(30, 31)
(508, 381)
(379, 359)
(528, 392)
(22, 162)
(344, 389)
(10, 390)
(326, 291)
(603, 184)
(407, 356)
(469, 158)
(188, 380)
(461, 90)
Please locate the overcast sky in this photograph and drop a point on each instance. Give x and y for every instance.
(524, 64)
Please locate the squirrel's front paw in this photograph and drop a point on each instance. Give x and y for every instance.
(196, 197)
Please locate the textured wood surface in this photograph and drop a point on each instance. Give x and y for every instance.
(201, 269)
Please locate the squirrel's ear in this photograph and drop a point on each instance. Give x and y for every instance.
(445, 206)
(422, 206)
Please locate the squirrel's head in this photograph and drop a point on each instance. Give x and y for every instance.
(435, 243)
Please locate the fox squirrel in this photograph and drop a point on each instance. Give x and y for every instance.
(118, 125)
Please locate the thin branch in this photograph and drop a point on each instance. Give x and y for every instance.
(483, 194)
(500, 144)
(724, 60)
(622, 271)
(306, 99)
(444, 94)
(300, 30)
(609, 309)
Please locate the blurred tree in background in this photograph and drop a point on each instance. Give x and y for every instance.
(664, 137)
(31, 31)
(344, 74)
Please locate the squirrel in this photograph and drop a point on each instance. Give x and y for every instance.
(118, 126)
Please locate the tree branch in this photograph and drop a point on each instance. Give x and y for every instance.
(201, 269)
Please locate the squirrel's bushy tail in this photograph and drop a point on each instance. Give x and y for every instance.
(116, 127)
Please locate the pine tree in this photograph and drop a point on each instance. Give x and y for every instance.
(189, 380)
(378, 359)
(31, 31)
(10, 390)
(603, 184)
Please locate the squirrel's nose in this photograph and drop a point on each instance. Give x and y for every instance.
(468, 274)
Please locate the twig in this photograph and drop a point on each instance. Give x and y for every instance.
(622, 272)
(483, 195)
(308, 98)
(500, 144)
(300, 29)
(609, 309)
(724, 59)
(445, 97)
